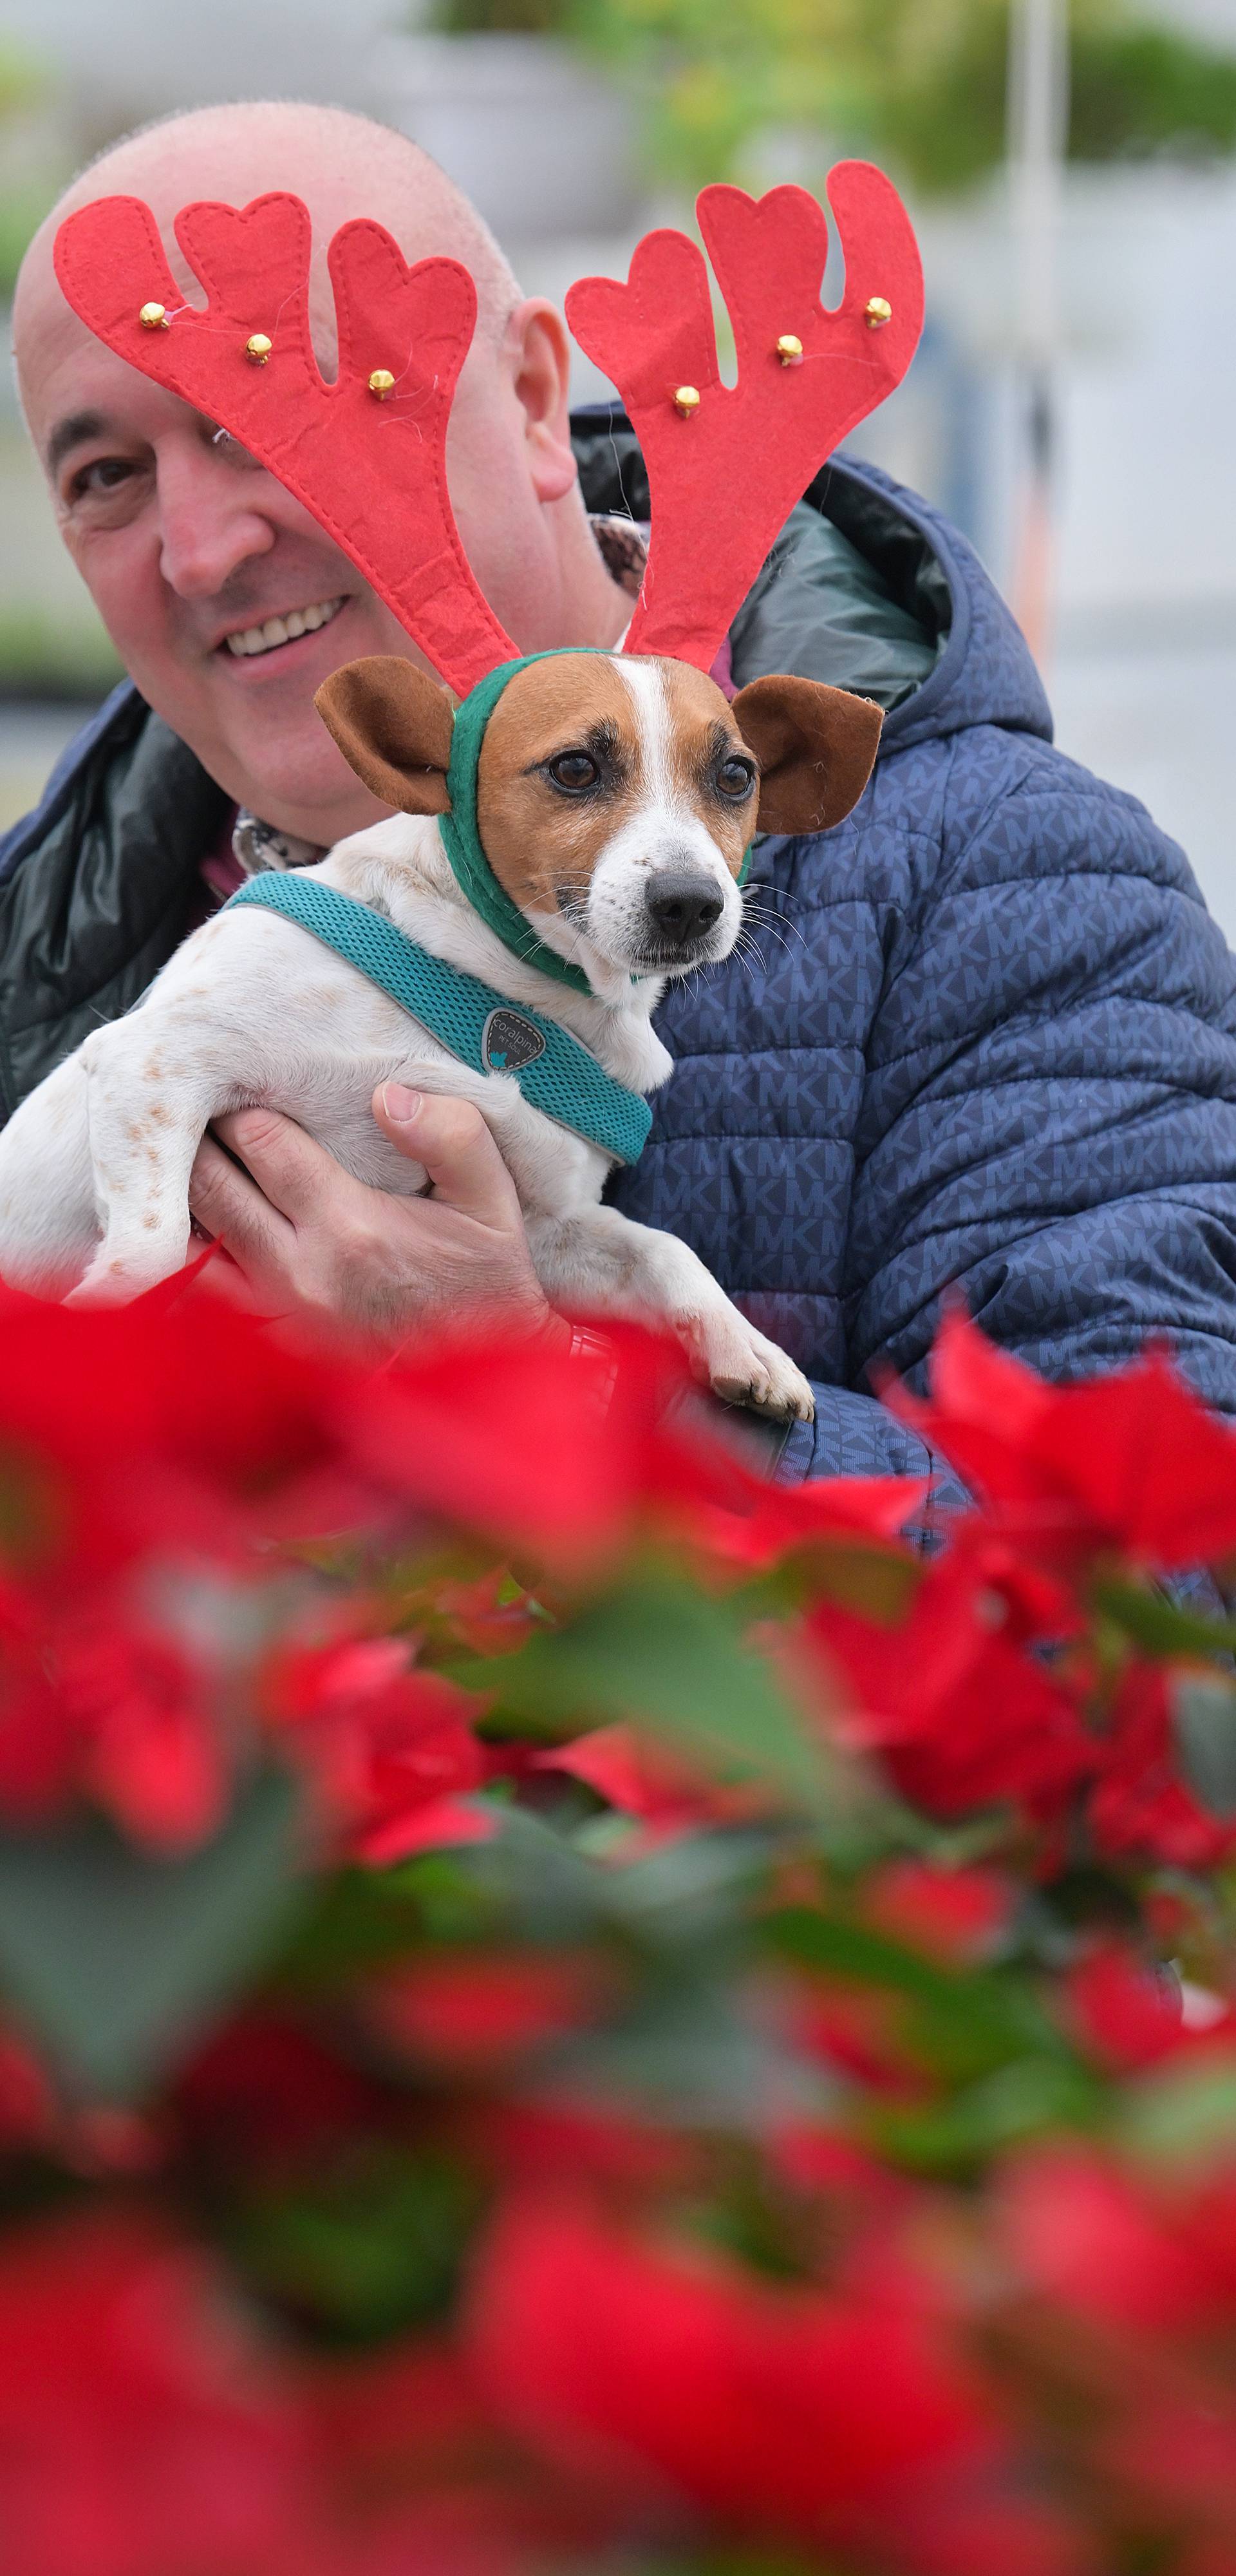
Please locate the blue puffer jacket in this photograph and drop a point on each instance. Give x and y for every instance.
(983, 1035)
(985, 1041)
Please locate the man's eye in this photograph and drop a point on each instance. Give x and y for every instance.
(106, 474)
(574, 770)
(736, 778)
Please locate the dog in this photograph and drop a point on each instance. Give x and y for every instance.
(617, 797)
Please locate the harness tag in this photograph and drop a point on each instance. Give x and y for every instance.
(509, 1041)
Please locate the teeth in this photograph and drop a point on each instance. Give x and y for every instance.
(283, 630)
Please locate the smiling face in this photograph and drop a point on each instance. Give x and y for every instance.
(226, 601)
(616, 798)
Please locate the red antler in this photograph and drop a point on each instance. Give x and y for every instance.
(367, 455)
(726, 471)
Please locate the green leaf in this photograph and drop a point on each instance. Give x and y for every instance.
(116, 1962)
(677, 1662)
(363, 1918)
(366, 2249)
(1158, 1626)
(547, 1886)
(1184, 2115)
(1020, 2100)
(1204, 1722)
(690, 2054)
(966, 2018)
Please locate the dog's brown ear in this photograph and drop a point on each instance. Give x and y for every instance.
(816, 748)
(393, 724)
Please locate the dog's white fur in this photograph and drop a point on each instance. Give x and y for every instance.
(253, 1010)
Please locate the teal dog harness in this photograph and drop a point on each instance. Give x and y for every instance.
(477, 1024)
(474, 1022)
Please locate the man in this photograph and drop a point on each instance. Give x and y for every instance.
(984, 1036)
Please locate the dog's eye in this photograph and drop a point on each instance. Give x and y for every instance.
(736, 777)
(574, 770)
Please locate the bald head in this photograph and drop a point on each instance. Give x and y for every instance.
(340, 164)
(228, 602)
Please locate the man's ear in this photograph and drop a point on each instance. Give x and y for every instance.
(393, 724)
(816, 748)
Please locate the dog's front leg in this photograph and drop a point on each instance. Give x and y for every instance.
(148, 1104)
(599, 1261)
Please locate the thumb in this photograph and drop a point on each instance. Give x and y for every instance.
(451, 1139)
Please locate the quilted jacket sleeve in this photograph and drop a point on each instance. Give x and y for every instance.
(852, 1435)
(1048, 1121)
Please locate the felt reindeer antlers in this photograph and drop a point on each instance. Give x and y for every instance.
(727, 464)
(367, 455)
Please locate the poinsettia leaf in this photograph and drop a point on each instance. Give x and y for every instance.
(677, 1662)
(1204, 1724)
(1160, 1626)
(1021, 2100)
(367, 2246)
(690, 2054)
(546, 1889)
(966, 2018)
(1185, 2113)
(689, 1894)
(116, 1961)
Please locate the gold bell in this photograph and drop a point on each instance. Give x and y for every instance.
(877, 311)
(789, 349)
(686, 400)
(258, 349)
(153, 317)
(381, 383)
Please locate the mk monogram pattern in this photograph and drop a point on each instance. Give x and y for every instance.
(986, 1043)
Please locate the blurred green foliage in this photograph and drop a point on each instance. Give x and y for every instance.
(22, 208)
(27, 192)
(920, 84)
(21, 81)
(48, 656)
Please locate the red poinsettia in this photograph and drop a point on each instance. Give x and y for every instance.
(1140, 1805)
(961, 1711)
(643, 1782)
(391, 1751)
(479, 2012)
(101, 1707)
(772, 2410)
(954, 1915)
(1131, 1461)
(138, 2432)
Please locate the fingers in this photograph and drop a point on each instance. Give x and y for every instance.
(229, 1206)
(451, 1139)
(291, 1172)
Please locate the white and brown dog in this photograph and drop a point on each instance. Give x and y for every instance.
(616, 797)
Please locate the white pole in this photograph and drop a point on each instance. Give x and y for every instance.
(1038, 95)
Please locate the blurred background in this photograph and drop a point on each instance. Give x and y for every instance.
(1071, 165)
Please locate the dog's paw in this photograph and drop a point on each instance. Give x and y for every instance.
(743, 1367)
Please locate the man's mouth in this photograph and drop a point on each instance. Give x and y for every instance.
(282, 630)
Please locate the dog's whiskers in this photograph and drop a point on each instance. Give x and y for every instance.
(773, 922)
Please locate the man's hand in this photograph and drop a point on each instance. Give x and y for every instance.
(307, 1238)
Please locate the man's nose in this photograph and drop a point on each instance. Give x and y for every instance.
(210, 523)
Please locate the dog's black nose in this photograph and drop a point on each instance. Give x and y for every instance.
(683, 904)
